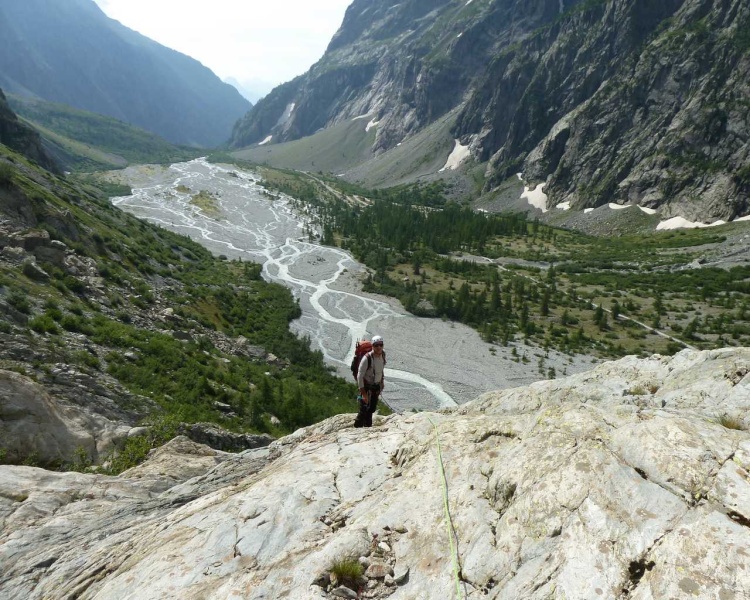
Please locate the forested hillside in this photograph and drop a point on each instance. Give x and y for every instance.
(85, 141)
(518, 280)
(124, 321)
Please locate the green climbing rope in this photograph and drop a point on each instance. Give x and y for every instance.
(448, 521)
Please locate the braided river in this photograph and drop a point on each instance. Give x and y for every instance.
(431, 363)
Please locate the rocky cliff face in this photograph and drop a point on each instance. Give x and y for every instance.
(630, 481)
(623, 101)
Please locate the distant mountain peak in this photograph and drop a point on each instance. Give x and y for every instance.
(101, 66)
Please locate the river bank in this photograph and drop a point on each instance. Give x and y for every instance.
(431, 363)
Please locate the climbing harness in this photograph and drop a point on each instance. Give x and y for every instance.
(448, 520)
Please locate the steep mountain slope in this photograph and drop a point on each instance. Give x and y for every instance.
(70, 52)
(86, 141)
(17, 136)
(604, 100)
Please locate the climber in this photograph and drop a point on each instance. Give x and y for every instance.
(371, 381)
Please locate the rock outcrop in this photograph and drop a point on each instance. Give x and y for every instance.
(629, 481)
(33, 424)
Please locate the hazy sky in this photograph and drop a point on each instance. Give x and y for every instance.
(268, 41)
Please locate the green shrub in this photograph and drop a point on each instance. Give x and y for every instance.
(136, 449)
(74, 285)
(43, 324)
(76, 324)
(348, 571)
(19, 301)
(81, 460)
(6, 173)
(638, 390)
(87, 359)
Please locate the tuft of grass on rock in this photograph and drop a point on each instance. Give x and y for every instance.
(637, 390)
(729, 422)
(347, 571)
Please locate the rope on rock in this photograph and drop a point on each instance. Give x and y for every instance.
(448, 519)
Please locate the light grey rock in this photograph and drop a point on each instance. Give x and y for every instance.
(561, 489)
(175, 462)
(138, 432)
(400, 573)
(31, 423)
(13, 254)
(377, 570)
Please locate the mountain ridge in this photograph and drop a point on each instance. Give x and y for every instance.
(104, 67)
(595, 98)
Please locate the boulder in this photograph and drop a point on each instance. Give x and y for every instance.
(34, 271)
(31, 240)
(54, 254)
(175, 462)
(378, 570)
(33, 425)
(46, 429)
(221, 439)
(13, 254)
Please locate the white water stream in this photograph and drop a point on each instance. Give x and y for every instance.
(433, 363)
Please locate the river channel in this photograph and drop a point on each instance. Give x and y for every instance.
(431, 363)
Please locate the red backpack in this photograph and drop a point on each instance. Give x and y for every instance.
(360, 349)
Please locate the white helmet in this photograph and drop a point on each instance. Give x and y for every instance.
(376, 339)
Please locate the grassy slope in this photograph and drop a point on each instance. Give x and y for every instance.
(86, 141)
(345, 149)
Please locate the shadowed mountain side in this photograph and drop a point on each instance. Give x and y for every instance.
(86, 141)
(23, 139)
(101, 66)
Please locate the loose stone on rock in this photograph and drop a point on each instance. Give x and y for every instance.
(377, 570)
(400, 574)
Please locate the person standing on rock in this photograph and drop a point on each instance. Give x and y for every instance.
(370, 380)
